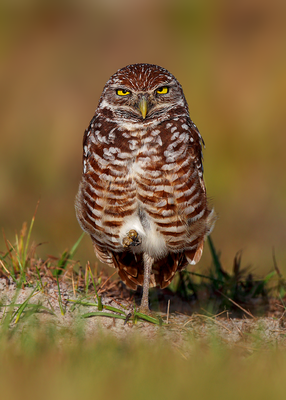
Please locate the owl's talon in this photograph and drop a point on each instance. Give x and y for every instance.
(131, 239)
(132, 234)
(126, 242)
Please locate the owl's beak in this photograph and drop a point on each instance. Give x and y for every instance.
(143, 106)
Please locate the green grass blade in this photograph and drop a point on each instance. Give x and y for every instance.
(205, 277)
(6, 254)
(100, 305)
(39, 276)
(29, 236)
(157, 321)
(75, 246)
(66, 257)
(86, 280)
(20, 310)
(89, 304)
(114, 309)
(269, 277)
(94, 285)
(18, 256)
(8, 316)
(102, 314)
(60, 298)
(215, 258)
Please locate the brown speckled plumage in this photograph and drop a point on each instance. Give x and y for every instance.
(142, 172)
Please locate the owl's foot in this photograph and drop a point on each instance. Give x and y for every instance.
(131, 239)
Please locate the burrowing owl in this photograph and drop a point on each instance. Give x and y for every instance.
(142, 196)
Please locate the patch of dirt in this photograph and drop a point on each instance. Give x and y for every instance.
(180, 326)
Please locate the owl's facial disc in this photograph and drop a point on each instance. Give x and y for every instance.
(142, 103)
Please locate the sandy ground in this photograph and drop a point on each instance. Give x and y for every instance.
(234, 332)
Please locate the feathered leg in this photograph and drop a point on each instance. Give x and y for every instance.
(148, 262)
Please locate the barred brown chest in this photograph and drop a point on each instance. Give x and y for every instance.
(142, 192)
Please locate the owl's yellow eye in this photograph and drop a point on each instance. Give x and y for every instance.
(162, 90)
(122, 92)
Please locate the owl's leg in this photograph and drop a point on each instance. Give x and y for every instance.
(148, 262)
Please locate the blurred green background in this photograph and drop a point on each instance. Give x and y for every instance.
(230, 58)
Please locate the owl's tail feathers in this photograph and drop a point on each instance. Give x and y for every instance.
(165, 269)
(101, 253)
(125, 278)
(128, 273)
(131, 269)
(194, 256)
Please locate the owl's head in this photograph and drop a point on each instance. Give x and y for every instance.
(143, 93)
